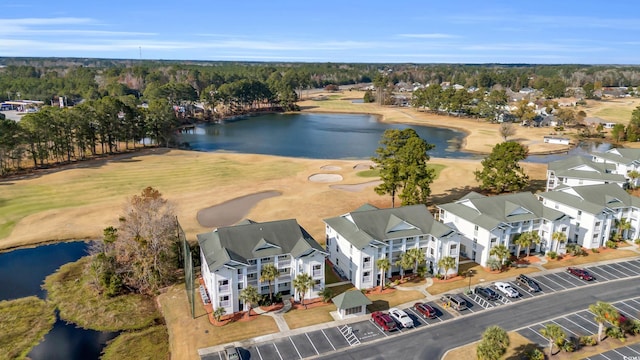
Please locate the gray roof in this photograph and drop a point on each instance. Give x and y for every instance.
(371, 224)
(576, 162)
(620, 155)
(593, 199)
(235, 245)
(350, 299)
(489, 212)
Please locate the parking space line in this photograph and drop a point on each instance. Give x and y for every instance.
(325, 335)
(578, 325)
(314, 347)
(220, 355)
(610, 268)
(380, 329)
(598, 271)
(622, 303)
(634, 350)
(635, 266)
(295, 347)
(635, 301)
(278, 352)
(619, 353)
(258, 350)
(537, 332)
(588, 320)
(626, 272)
(418, 316)
(555, 282)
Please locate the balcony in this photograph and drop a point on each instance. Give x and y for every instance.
(253, 282)
(366, 265)
(284, 263)
(240, 277)
(252, 268)
(366, 279)
(284, 278)
(225, 303)
(223, 288)
(317, 273)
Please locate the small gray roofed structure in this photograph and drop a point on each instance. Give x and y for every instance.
(350, 299)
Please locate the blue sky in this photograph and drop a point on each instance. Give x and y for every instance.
(374, 31)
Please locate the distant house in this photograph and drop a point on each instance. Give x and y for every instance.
(556, 140)
(232, 258)
(356, 240)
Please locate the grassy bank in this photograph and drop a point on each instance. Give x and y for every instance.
(151, 343)
(69, 289)
(23, 324)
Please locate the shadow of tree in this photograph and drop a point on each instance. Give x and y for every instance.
(523, 352)
(378, 305)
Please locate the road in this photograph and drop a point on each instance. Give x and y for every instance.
(432, 342)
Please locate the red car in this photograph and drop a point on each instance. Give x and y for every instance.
(383, 320)
(581, 273)
(426, 310)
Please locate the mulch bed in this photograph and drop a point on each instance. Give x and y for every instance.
(450, 279)
(273, 307)
(376, 290)
(309, 303)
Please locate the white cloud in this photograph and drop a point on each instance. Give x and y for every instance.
(429, 36)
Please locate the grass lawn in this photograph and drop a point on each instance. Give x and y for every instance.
(386, 301)
(369, 173)
(187, 335)
(330, 277)
(590, 257)
(297, 318)
(480, 275)
(151, 343)
(23, 324)
(69, 289)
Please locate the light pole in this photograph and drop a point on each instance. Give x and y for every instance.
(470, 273)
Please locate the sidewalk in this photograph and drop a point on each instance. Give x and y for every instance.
(285, 331)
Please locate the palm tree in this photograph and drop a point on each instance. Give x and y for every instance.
(622, 225)
(447, 263)
(219, 313)
(418, 257)
(526, 239)
(250, 296)
(494, 344)
(522, 241)
(554, 333)
(269, 273)
(500, 251)
(535, 239)
(603, 312)
(560, 238)
(633, 175)
(326, 294)
(383, 265)
(405, 262)
(302, 283)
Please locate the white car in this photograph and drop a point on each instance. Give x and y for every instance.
(506, 289)
(401, 317)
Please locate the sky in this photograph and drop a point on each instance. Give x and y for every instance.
(373, 31)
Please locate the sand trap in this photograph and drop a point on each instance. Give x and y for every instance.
(325, 178)
(356, 187)
(232, 211)
(364, 166)
(330, 168)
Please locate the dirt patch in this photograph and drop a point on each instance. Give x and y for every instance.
(355, 187)
(325, 178)
(364, 166)
(232, 211)
(309, 304)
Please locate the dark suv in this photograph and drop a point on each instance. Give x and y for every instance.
(528, 283)
(486, 293)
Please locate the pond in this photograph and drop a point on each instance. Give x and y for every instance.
(314, 135)
(22, 273)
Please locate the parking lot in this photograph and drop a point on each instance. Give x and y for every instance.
(582, 323)
(322, 341)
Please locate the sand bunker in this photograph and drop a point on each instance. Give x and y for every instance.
(355, 187)
(364, 166)
(232, 211)
(325, 178)
(330, 168)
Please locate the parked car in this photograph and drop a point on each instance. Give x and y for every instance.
(486, 293)
(506, 289)
(528, 283)
(580, 273)
(427, 311)
(383, 320)
(401, 317)
(454, 301)
(231, 352)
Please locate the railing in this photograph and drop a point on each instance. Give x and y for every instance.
(284, 278)
(252, 268)
(240, 277)
(453, 253)
(366, 279)
(317, 273)
(253, 283)
(284, 263)
(366, 265)
(225, 303)
(223, 288)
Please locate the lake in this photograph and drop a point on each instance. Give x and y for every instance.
(314, 135)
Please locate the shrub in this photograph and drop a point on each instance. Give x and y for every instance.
(595, 250)
(615, 332)
(575, 249)
(535, 354)
(552, 255)
(611, 244)
(569, 346)
(587, 341)
(494, 264)
(637, 241)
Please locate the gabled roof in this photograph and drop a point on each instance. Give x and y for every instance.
(579, 163)
(620, 155)
(236, 245)
(350, 299)
(361, 227)
(593, 199)
(490, 211)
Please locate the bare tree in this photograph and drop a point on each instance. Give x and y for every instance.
(506, 130)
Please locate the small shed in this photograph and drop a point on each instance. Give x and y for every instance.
(556, 140)
(352, 302)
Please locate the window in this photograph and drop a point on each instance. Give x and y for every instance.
(283, 257)
(252, 262)
(431, 251)
(494, 241)
(598, 224)
(251, 276)
(284, 271)
(264, 288)
(579, 212)
(240, 286)
(265, 259)
(475, 228)
(223, 282)
(239, 271)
